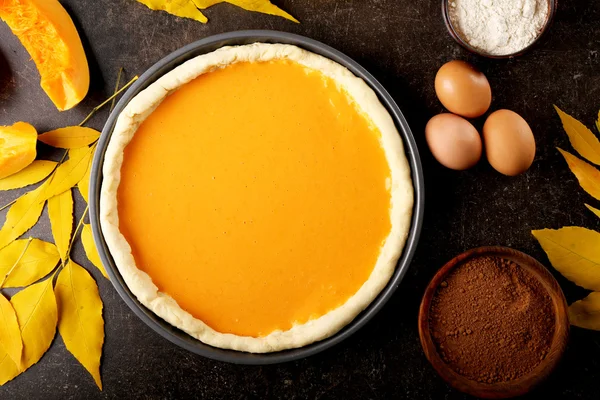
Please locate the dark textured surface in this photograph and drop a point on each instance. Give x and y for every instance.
(402, 43)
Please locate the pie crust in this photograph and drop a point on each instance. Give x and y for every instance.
(163, 305)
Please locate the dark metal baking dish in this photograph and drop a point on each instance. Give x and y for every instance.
(203, 46)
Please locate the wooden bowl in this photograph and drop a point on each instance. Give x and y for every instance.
(525, 383)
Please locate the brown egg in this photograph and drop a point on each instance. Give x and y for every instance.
(509, 142)
(453, 141)
(463, 89)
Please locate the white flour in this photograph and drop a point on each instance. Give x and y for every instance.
(499, 27)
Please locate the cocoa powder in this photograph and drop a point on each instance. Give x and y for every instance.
(491, 320)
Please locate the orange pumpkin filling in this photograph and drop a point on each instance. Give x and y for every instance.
(256, 196)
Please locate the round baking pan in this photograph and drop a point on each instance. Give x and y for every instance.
(207, 45)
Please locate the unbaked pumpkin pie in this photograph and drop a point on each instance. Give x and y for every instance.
(257, 197)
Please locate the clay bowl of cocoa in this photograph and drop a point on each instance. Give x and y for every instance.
(493, 323)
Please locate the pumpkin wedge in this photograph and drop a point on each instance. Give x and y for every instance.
(49, 35)
(17, 147)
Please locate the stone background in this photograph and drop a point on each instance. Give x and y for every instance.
(402, 43)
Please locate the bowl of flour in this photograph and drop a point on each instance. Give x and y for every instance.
(498, 28)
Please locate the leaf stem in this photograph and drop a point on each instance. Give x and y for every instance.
(16, 263)
(105, 102)
(64, 263)
(8, 205)
(63, 157)
(79, 224)
(49, 179)
(112, 103)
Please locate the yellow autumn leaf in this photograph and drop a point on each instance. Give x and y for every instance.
(587, 175)
(37, 262)
(71, 137)
(180, 8)
(598, 122)
(582, 139)
(261, 6)
(23, 215)
(586, 313)
(90, 248)
(60, 211)
(84, 183)
(8, 368)
(10, 334)
(574, 252)
(35, 172)
(594, 210)
(35, 307)
(69, 172)
(78, 152)
(80, 317)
